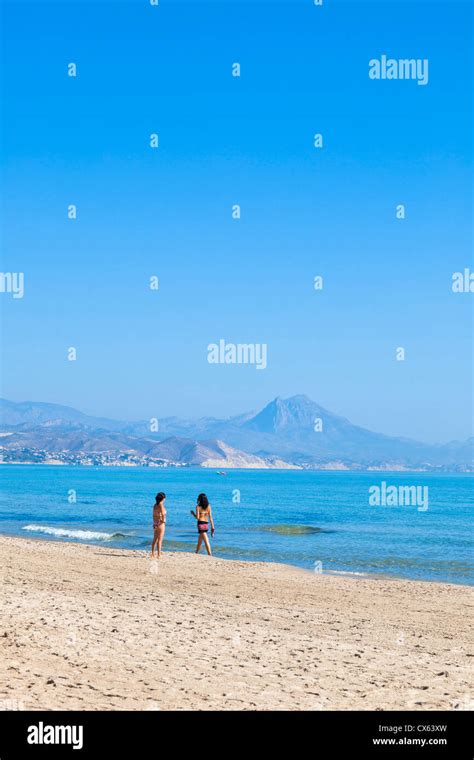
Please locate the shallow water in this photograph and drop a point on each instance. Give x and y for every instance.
(321, 521)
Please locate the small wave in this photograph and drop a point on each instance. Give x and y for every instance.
(84, 535)
(347, 572)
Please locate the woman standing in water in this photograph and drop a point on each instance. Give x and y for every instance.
(159, 522)
(203, 515)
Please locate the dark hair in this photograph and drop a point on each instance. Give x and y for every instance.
(203, 501)
(159, 497)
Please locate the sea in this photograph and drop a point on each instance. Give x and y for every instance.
(324, 522)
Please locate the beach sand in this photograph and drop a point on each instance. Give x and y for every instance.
(87, 627)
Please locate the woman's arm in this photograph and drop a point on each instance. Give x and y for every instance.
(212, 520)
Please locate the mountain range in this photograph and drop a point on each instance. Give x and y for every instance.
(294, 432)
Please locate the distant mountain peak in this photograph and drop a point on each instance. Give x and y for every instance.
(300, 398)
(280, 414)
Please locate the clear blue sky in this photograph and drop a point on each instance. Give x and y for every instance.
(305, 211)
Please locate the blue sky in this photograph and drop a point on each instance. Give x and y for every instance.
(305, 212)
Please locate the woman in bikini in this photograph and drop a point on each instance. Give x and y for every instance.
(203, 515)
(159, 523)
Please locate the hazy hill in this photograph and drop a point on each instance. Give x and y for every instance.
(296, 429)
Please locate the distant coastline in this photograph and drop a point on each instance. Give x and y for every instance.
(335, 467)
(288, 434)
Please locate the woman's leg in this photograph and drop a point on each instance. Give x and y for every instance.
(198, 547)
(161, 535)
(207, 544)
(155, 541)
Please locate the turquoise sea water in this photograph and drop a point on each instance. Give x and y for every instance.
(295, 517)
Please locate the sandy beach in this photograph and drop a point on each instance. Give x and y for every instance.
(87, 627)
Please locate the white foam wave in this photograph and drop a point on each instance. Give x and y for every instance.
(84, 535)
(347, 572)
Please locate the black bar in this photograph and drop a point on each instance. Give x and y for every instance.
(347, 734)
